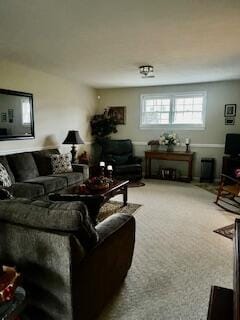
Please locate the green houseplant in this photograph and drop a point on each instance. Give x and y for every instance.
(102, 125)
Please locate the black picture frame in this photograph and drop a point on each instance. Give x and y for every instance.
(229, 121)
(3, 117)
(4, 136)
(230, 110)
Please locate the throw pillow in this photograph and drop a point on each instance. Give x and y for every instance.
(5, 194)
(5, 180)
(61, 163)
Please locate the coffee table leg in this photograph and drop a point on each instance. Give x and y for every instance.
(94, 206)
(125, 195)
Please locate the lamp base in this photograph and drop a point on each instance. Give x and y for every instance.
(73, 152)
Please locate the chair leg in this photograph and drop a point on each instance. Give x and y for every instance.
(219, 191)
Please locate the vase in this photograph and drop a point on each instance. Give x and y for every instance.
(170, 148)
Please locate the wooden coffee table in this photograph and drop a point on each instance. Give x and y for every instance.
(94, 200)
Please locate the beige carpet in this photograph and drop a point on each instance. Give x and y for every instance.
(177, 255)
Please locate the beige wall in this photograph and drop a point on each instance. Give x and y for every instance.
(59, 106)
(206, 143)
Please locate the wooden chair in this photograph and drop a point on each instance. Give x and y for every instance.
(228, 193)
(224, 304)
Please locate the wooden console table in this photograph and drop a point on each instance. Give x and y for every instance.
(169, 156)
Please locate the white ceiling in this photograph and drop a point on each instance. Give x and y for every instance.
(103, 42)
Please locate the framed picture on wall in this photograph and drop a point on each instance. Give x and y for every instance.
(230, 110)
(3, 117)
(118, 113)
(229, 121)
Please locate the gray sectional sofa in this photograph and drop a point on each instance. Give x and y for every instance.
(70, 269)
(31, 174)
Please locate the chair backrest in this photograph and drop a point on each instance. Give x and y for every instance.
(117, 147)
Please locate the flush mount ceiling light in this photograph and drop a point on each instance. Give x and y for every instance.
(146, 71)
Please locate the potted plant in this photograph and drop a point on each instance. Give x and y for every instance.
(102, 125)
(170, 140)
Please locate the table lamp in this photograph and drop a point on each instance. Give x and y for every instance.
(73, 138)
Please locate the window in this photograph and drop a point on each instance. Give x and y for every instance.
(26, 113)
(179, 111)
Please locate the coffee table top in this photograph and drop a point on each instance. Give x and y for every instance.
(78, 189)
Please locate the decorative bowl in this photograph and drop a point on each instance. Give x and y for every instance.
(98, 187)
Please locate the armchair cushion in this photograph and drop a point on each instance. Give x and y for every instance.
(119, 153)
(134, 160)
(121, 159)
(46, 215)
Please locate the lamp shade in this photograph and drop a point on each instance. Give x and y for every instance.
(73, 137)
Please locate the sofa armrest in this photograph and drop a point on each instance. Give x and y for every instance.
(97, 277)
(110, 225)
(81, 168)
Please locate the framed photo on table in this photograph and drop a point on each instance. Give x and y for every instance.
(230, 110)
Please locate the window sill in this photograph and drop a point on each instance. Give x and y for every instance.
(173, 127)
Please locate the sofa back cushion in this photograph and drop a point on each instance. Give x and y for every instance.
(43, 160)
(4, 162)
(23, 166)
(70, 217)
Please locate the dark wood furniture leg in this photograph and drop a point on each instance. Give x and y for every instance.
(190, 170)
(220, 189)
(125, 195)
(146, 167)
(149, 167)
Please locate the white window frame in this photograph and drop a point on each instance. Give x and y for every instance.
(172, 97)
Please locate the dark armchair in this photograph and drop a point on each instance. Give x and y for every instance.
(119, 153)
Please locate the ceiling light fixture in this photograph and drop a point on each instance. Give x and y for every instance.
(146, 71)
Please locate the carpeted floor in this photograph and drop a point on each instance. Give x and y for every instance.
(210, 187)
(177, 255)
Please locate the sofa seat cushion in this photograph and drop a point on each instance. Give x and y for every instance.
(71, 217)
(121, 159)
(4, 162)
(43, 160)
(26, 190)
(70, 177)
(50, 184)
(23, 166)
